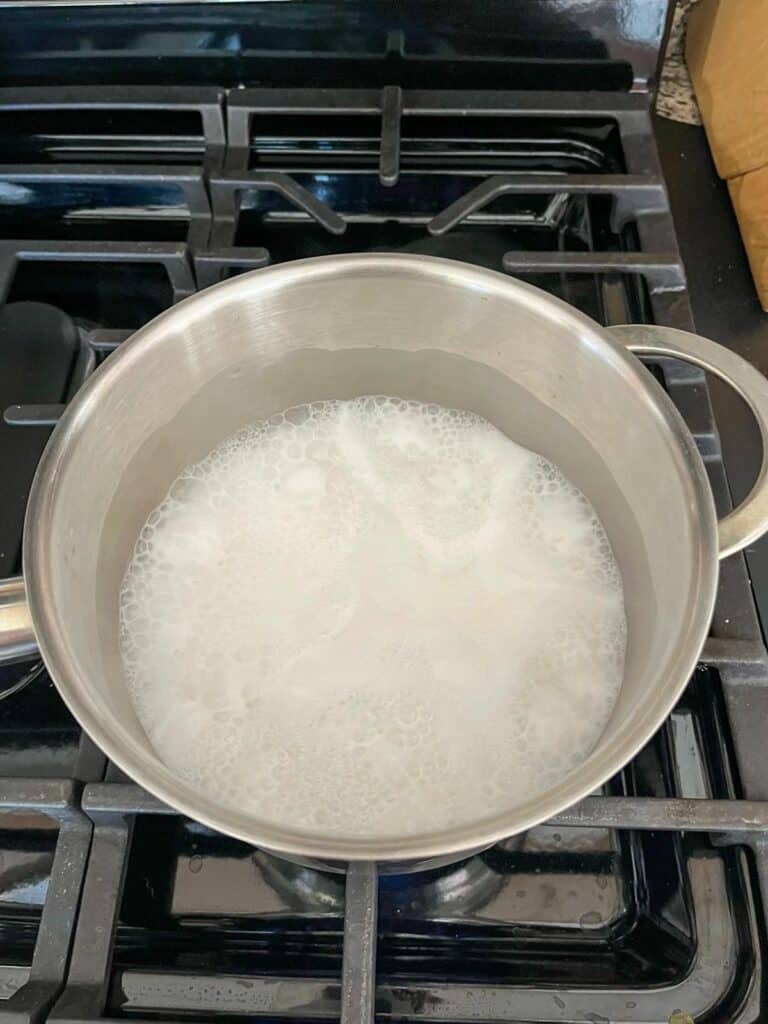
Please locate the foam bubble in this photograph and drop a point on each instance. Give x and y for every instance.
(375, 618)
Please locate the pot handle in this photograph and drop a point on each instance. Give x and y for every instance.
(17, 637)
(749, 520)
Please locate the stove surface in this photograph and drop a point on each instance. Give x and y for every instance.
(114, 204)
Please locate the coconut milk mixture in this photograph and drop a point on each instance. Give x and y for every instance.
(373, 618)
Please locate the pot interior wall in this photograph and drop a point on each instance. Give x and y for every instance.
(549, 380)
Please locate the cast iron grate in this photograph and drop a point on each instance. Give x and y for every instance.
(44, 842)
(608, 906)
(114, 125)
(564, 190)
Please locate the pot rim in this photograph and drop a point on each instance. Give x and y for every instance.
(127, 754)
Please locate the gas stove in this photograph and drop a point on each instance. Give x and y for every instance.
(117, 199)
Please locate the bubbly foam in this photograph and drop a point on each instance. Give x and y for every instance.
(375, 618)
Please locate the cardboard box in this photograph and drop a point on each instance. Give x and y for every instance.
(727, 54)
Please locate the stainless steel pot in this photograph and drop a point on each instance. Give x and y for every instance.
(412, 326)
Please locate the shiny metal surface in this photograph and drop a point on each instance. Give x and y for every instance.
(17, 637)
(473, 889)
(22, 683)
(337, 327)
(391, 866)
(747, 522)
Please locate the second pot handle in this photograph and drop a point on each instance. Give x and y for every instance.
(17, 637)
(749, 520)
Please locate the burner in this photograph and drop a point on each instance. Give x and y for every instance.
(422, 892)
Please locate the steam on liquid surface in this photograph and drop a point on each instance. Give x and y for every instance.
(373, 618)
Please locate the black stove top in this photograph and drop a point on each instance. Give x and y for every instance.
(116, 202)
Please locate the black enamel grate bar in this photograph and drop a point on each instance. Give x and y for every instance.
(36, 987)
(83, 192)
(629, 111)
(227, 187)
(115, 122)
(214, 265)
(663, 271)
(633, 195)
(389, 150)
(172, 257)
(638, 195)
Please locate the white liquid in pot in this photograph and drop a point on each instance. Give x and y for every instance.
(373, 618)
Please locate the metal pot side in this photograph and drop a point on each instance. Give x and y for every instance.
(336, 327)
